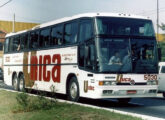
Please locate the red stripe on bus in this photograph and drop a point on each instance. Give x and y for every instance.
(46, 73)
(33, 69)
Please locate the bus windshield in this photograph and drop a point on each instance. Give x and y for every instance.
(124, 26)
(124, 55)
(113, 54)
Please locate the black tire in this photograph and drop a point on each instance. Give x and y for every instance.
(21, 83)
(73, 90)
(164, 94)
(124, 100)
(15, 82)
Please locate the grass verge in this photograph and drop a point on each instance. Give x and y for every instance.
(9, 110)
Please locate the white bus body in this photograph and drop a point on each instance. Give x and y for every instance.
(43, 69)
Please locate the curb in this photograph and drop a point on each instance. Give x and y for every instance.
(145, 117)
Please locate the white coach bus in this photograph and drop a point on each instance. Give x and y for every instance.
(93, 55)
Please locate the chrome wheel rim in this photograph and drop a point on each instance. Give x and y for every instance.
(73, 90)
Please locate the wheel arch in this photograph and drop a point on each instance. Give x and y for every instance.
(68, 80)
(20, 73)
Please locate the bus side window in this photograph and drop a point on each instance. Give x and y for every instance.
(11, 44)
(87, 57)
(86, 31)
(16, 43)
(81, 55)
(44, 37)
(56, 35)
(86, 60)
(34, 40)
(6, 47)
(70, 33)
(24, 42)
(91, 56)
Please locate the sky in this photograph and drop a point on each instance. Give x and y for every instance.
(40, 11)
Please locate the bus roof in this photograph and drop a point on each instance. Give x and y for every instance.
(65, 19)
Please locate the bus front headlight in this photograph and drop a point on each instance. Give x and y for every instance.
(106, 83)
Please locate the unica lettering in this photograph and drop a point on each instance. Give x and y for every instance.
(39, 71)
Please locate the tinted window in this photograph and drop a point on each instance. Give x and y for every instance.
(16, 43)
(90, 60)
(56, 35)
(114, 55)
(124, 26)
(87, 55)
(24, 41)
(163, 69)
(70, 33)
(82, 55)
(86, 30)
(6, 45)
(34, 40)
(44, 37)
(11, 44)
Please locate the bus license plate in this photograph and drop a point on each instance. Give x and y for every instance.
(131, 91)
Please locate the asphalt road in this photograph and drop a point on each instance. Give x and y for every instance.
(2, 85)
(147, 106)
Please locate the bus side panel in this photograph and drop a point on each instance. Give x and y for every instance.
(13, 63)
(53, 67)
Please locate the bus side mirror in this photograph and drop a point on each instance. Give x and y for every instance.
(159, 54)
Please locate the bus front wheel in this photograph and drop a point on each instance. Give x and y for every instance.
(73, 90)
(15, 82)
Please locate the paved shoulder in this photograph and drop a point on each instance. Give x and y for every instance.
(2, 85)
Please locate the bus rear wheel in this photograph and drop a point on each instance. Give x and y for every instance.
(15, 82)
(73, 90)
(21, 83)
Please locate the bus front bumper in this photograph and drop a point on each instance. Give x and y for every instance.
(126, 91)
